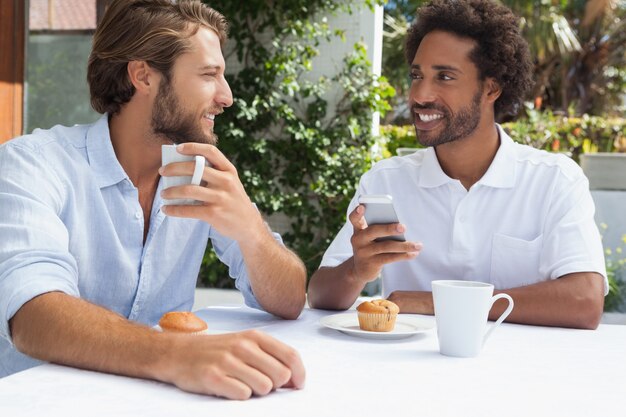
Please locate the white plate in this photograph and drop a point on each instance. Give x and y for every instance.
(406, 325)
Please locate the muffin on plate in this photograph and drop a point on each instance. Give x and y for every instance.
(182, 322)
(377, 315)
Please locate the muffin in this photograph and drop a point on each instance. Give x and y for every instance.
(377, 315)
(182, 322)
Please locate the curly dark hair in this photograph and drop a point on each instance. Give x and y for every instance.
(501, 52)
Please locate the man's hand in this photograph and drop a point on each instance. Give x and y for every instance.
(224, 202)
(277, 276)
(369, 255)
(416, 302)
(234, 366)
(336, 288)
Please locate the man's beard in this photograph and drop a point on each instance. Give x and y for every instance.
(173, 123)
(456, 127)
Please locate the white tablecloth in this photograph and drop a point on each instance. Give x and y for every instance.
(522, 371)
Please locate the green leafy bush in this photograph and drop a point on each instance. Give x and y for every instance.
(568, 134)
(542, 130)
(297, 152)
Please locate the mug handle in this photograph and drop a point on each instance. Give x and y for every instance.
(502, 317)
(198, 170)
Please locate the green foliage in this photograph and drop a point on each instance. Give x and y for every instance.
(615, 271)
(542, 130)
(616, 274)
(567, 134)
(394, 137)
(580, 53)
(299, 143)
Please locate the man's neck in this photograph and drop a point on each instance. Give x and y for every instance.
(138, 153)
(468, 159)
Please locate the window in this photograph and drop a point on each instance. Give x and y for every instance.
(57, 49)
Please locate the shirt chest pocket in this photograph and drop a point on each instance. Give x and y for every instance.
(514, 261)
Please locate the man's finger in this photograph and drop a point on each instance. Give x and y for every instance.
(357, 219)
(285, 354)
(213, 155)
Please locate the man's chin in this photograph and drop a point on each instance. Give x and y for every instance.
(426, 138)
(204, 139)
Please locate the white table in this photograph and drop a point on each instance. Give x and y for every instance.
(522, 371)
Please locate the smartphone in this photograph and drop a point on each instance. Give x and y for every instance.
(379, 210)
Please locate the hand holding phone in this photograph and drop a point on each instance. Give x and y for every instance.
(379, 210)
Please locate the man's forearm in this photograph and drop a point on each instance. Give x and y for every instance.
(277, 276)
(56, 327)
(574, 300)
(334, 288)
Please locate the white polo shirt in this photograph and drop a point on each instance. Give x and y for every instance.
(528, 219)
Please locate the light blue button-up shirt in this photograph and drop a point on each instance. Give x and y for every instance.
(70, 221)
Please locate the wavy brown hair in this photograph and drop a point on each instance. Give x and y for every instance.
(155, 31)
(500, 53)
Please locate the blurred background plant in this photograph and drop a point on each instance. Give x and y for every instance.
(616, 274)
(572, 135)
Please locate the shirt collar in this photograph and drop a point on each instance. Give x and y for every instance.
(501, 172)
(432, 174)
(104, 163)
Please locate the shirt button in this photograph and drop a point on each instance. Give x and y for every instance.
(138, 215)
(463, 219)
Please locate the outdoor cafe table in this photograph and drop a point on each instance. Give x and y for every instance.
(522, 371)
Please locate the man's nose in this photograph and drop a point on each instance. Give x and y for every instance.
(421, 92)
(224, 96)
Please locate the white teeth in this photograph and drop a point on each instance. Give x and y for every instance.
(429, 117)
(210, 116)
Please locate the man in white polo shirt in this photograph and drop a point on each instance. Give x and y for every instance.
(473, 205)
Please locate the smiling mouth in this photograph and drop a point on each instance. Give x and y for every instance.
(427, 121)
(429, 117)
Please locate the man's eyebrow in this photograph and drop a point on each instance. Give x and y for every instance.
(438, 68)
(210, 68)
(446, 68)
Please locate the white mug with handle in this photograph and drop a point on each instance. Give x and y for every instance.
(169, 154)
(461, 312)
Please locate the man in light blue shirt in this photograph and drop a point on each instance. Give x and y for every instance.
(88, 253)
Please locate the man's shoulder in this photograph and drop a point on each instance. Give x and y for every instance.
(44, 141)
(558, 162)
(399, 164)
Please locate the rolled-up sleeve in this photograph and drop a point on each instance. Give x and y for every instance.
(34, 255)
(229, 252)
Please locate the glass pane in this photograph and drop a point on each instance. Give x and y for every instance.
(58, 46)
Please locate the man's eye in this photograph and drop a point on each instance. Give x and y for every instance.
(414, 76)
(445, 77)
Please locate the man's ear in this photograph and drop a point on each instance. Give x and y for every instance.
(492, 90)
(141, 76)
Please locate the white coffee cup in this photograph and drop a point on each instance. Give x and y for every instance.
(461, 312)
(169, 154)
